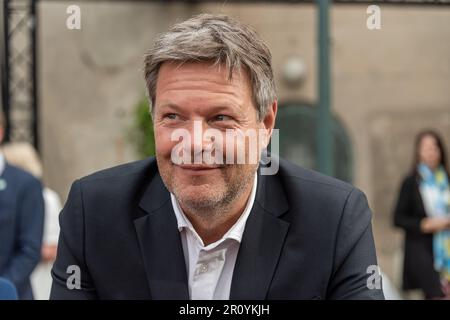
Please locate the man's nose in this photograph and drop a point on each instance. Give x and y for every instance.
(200, 142)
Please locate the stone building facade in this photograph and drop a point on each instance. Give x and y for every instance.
(387, 85)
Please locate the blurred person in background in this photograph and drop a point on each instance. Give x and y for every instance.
(21, 223)
(423, 211)
(23, 155)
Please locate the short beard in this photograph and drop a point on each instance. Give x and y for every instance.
(212, 208)
(217, 207)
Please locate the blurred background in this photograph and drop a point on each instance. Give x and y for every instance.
(351, 98)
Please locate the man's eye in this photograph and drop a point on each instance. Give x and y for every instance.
(171, 116)
(222, 117)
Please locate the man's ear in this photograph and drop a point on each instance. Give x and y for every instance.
(269, 120)
(2, 132)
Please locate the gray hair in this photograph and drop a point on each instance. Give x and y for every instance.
(221, 40)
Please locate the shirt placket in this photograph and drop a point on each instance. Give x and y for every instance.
(207, 272)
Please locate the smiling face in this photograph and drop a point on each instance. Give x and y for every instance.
(201, 93)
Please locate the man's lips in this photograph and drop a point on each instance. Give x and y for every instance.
(193, 167)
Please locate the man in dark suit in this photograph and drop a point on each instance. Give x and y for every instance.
(21, 224)
(199, 221)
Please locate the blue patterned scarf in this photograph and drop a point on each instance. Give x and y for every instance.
(436, 183)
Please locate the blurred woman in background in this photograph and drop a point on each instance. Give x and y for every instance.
(423, 211)
(24, 156)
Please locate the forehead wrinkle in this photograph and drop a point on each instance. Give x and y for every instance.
(203, 75)
(203, 102)
(201, 84)
(199, 93)
(193, 85)
(202, 92)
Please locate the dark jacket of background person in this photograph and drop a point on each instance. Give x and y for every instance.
(21, 227)
(418, 269)
(308, 236)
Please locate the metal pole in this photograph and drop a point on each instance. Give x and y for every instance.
(4, 64)
(34, 87)
(324, 135)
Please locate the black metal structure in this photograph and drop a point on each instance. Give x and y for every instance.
(19, 85)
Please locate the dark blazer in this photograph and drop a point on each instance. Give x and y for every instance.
(308, 236)
(418, 270)
(21, 226)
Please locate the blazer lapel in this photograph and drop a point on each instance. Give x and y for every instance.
(262, 242)
(260, 249)
(160, 244)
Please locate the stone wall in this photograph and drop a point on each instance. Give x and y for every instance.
(387, 85)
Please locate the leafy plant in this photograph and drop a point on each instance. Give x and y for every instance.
(141, 134)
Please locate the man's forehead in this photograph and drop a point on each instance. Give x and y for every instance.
(203, 69)
(202, 85)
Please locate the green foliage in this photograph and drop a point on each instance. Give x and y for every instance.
(142, 135)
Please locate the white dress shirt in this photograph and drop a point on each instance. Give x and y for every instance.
(41, 280)
(2, 163)
(210, 268)
(2, 168)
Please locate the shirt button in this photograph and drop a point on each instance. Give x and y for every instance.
(203, 268)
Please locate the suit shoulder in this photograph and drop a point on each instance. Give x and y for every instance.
(20, 176)
(314, 198)
(302, 175)
(409, 180)
(147, 165)
(408, 183)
